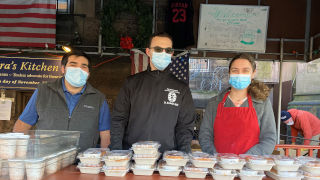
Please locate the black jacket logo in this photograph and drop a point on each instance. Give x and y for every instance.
(172, 97)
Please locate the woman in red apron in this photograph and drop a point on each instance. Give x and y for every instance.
(241, 119)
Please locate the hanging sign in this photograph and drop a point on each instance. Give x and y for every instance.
(28, 73)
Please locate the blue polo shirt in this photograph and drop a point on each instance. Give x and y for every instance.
(30, 114)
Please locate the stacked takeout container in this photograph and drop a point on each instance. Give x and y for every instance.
(172, 163)
(285, 168)
(146, 153)
(36, 153)
(227, 166)
(90, 160)
(311, 169)
(117, 162)
(200, 164)
(255, 167)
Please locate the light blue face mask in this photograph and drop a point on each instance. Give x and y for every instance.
(76, 76)
(240, 81)
(161, 60)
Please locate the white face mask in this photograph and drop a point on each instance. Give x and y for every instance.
(290, 122)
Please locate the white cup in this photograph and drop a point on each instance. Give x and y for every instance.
(35, 169)
(4, 169)
(52, 164)
(7, 146)
(16, 170)
(22, 146)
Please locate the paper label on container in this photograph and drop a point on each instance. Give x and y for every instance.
(5, 109)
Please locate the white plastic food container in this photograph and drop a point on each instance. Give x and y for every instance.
(232, 164)
(251, 177)
(249, 174)
(312, 167)
(228, 158)
(5, 168)
(166, 170)
(260, 167)
(143, 171)
(310, 176)
(175, 158)
(194, 172)
(89, 169)
(115, 171)
(117, 158)
(145, 159)
(95, 152)
(8, 146)
(162, 164)
(52, 164)
(259, 163)
(221, 171)
(22, 146)
(279, 160)
(278, 177)
(292, 167)
(223, 174)
(146, 147)
(65, 159)
(89, 160)
(201, 159)
(16, 169)
(35, 168)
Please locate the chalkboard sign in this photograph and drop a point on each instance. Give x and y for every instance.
(233, 27)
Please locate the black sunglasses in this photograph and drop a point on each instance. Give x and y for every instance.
(160, 49)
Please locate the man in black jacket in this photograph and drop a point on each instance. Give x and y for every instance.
(154, 105)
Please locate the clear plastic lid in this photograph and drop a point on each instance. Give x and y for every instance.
(9, 136)
(255, 159)
(163, 166)
(228, 158)
(175, 155)
(146, 156)
(313, 164)
(95, 152)
(89, 165)
(202, 156)
(116, 167)
(146, 144)
(310, 175)
(283, 160)
(118, 154)
(305, 159)
(190, 167)
(38, 160)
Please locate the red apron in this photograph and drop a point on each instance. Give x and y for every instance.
(236, 129)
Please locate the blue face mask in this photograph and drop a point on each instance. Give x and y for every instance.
(240, 81)
(76, 76)
(161, 60)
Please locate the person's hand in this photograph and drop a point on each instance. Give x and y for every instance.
(293, 143)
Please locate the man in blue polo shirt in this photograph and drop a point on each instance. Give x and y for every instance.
(69, 103)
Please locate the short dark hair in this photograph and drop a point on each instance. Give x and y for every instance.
(74, 52)
(244, 56)
(159, 34)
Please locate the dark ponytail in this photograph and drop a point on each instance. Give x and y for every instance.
(256, 89)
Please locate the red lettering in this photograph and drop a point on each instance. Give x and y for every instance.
(180, 15)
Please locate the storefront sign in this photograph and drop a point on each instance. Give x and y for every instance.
(28, 73)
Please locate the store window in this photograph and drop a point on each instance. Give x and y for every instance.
(64, 6)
